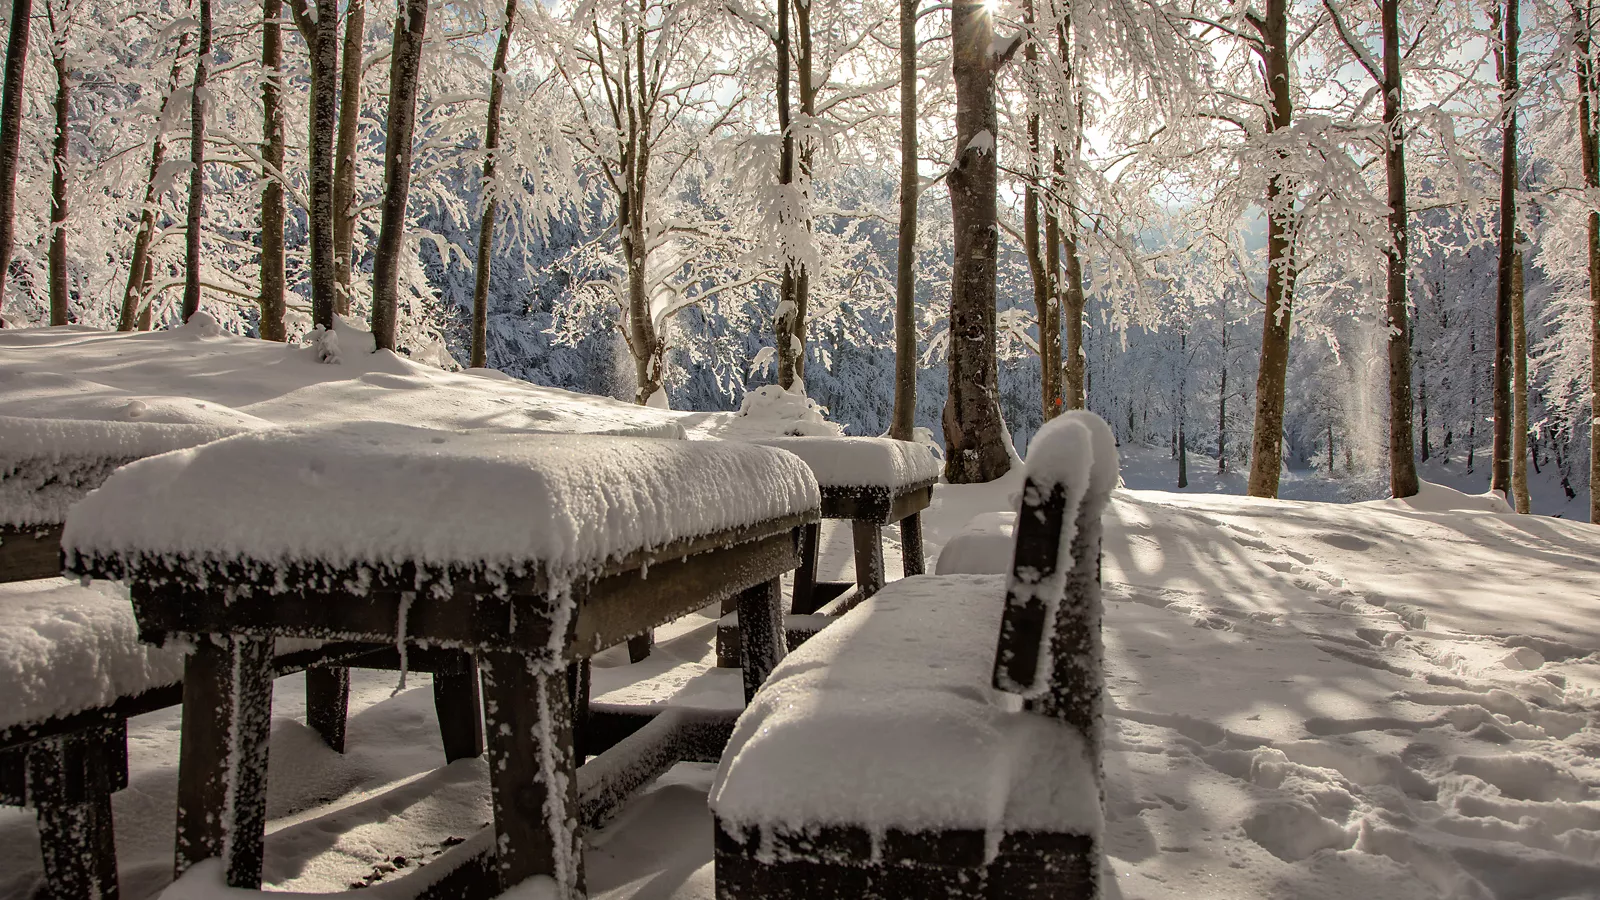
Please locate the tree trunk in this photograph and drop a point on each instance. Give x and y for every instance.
(1402, 446)
(406, 58)
(905, 319)
(1472, 398)
(1042, 275)
(197, 161)
(1591, 180)
(1519, 391)
(1071, 302)
(324, 51)
(272, 150)
(788, 291)
(1222, 396)
(491, 144)
(1266, 445)
(139, 268)
(344, 171)
(806, 151)
(1183, 397)
(1500, 469)
(974, 433)
(1330, 447)
(11, 133)
(58, 166)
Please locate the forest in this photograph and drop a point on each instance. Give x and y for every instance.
(1273, 236)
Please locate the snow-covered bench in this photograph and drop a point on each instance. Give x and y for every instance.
(905, 752)
(872, 482)
(531, 551)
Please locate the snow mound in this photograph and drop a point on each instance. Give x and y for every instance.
(984, 546)
(374, 493)
(772, 410)
(1436, 498)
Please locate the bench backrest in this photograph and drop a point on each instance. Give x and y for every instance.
(1049, 649)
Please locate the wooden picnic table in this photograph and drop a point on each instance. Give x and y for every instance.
(592, 540)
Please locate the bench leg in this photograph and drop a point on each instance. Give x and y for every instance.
(762, 643)
(222, 760)
(913, 562)
(579, 680)
(639, 646)
(69, 780)
(805, 599)
(328, 703)
(457, 700)
(869, 556)
(533, 778)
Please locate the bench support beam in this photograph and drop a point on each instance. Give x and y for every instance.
(328, 703)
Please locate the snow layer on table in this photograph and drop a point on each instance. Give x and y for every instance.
(861, 461)
(864, 725)
(381, 493)
(46, 465)
(198, 375)
(65, 648)
(985, 546)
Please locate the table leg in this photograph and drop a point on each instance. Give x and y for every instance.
(457, 701)
(639, 646)
(579, 681)
(869, 557)
(914, 563)
(762, 644)
(328, 703)
(69, 780)
(222, 759)
(805, 577)
(532, 774)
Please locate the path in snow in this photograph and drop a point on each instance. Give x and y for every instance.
(1310, 700)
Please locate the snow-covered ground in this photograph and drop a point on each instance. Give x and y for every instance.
(1310, 700)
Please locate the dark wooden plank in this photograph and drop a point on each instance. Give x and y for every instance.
(458, 702)
(580, 680)
(328, 703)
(610, 609)
(30, 552)
(868, 538)
(639, 646)
(875, 504)
(532, 773)
(912, 560)
(762, 642)
(805, 600)
(80, 854)
(1022, 626)
(222, 758)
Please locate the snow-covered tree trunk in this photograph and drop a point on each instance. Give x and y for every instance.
(1043, 277)
(788, 290)
(318, 24)
(139, 268)
(491, 144)
(344, 166)
(59, 22)
(410, 28)
(1402, 452)
(1590, 148)
(11, 133)
(905, 292)
(1506, 57)
(1069, 365)
(1266, 446)
(975, 440)
(197, 163)
(272, 151)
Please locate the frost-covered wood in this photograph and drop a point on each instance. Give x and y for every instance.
(948, 791)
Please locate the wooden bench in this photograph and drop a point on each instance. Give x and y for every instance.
(531, 551)
(870, 482)
(906, 752)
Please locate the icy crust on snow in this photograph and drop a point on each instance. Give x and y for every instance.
(65, 648)
(853, 729)
(46, 465)
(861, 461)
(201, 376)
(383, 494)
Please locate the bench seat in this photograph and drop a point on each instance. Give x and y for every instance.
(931, 744)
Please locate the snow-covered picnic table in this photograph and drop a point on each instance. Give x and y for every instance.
(537, 551)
